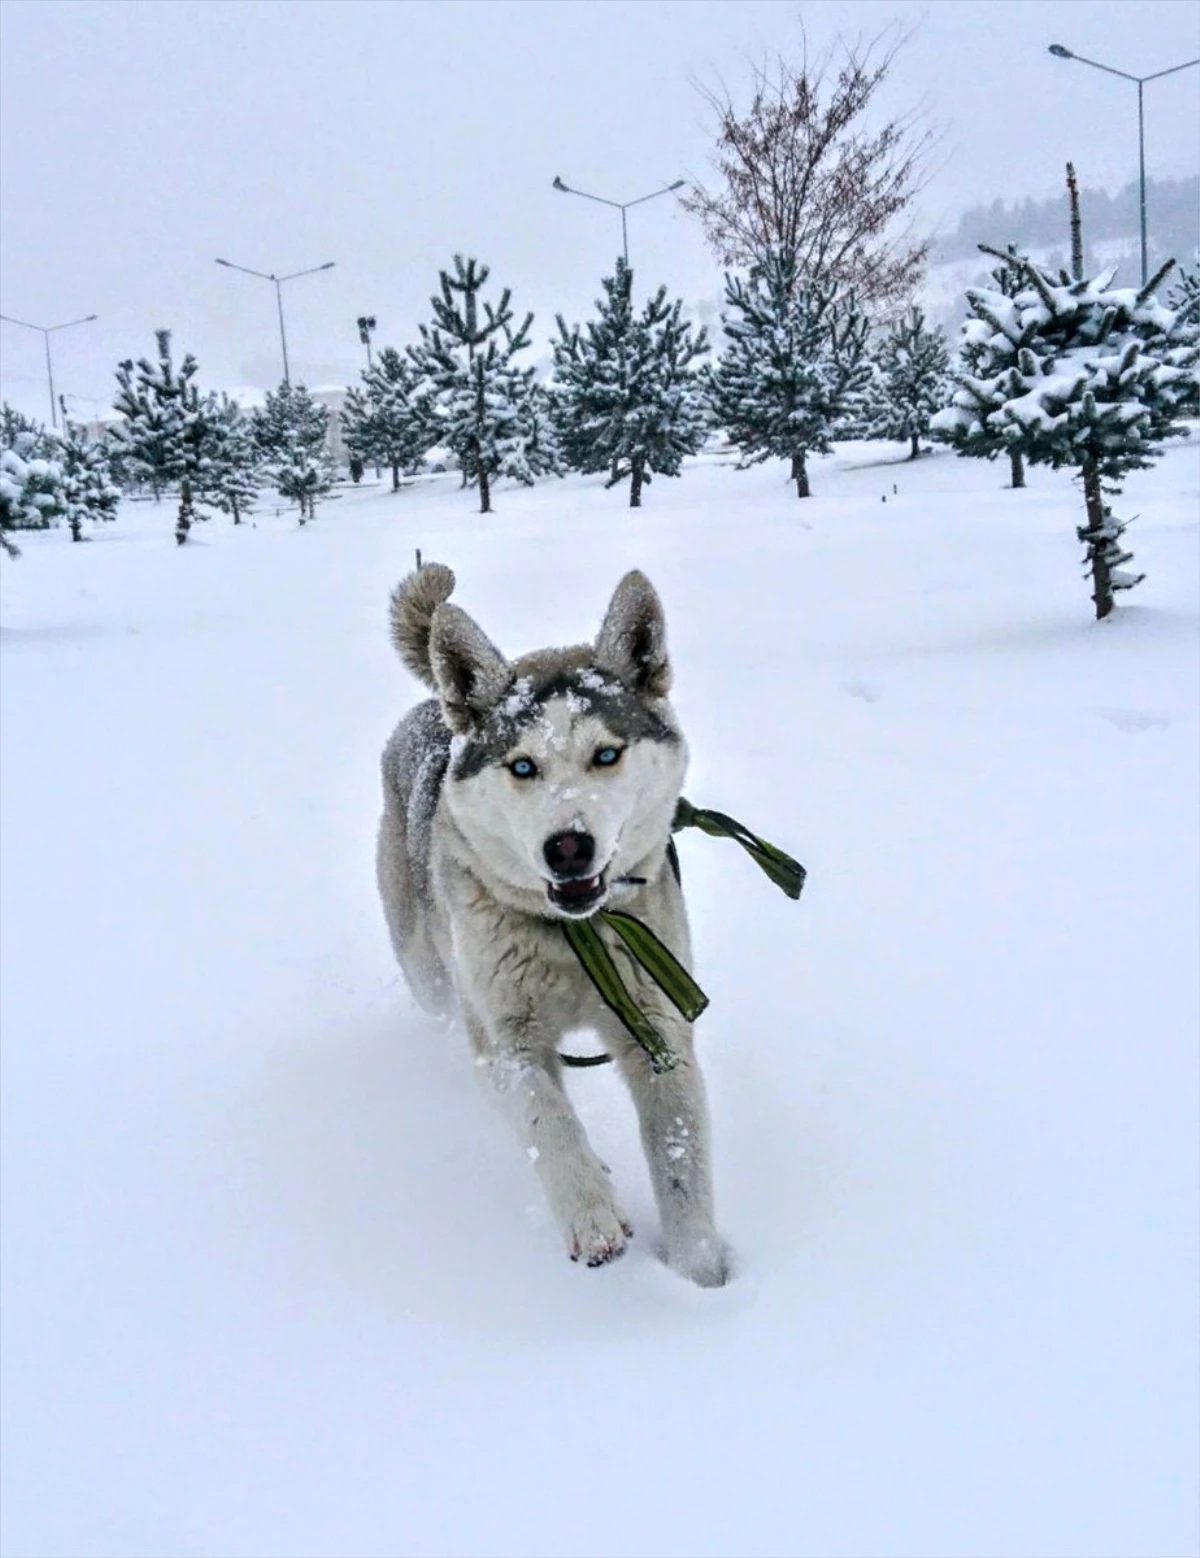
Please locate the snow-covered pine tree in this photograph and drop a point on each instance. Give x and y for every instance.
(292, 433)
(1097, 389)
(582, 354)
(539, 447)
(1184, 299)
(390, 419)
(13, 422)
(89, 493)
(233, 474)
(289, 414)
(163, 440)
(303, 475)
(629, 395)
(149, 400)
(912, 381)
(31, 479)
(794, 367)
(987, 356)
(468, 354)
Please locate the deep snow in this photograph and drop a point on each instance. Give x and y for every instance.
(275, 1280)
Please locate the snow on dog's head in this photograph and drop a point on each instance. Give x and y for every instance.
(566, 764)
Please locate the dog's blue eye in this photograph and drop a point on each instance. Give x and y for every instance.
(523, 768)
(606, 756)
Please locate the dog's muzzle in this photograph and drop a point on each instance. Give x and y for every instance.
(576, 888)
(578, 895)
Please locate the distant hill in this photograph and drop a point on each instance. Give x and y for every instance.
(1039, 228)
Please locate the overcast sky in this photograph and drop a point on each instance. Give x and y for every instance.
(139, 139)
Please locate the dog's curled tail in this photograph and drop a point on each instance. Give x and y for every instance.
(414, 601)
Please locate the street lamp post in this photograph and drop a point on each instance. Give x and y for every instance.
(1060, 51)
(47, 331)
(620, 205)
(264, 275)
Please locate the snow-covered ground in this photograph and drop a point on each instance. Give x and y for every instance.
(275, 1279)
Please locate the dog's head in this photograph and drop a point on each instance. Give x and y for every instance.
(566, 764)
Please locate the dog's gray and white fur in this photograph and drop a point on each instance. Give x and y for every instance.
(478, 866)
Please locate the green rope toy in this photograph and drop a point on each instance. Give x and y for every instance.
(667, 972)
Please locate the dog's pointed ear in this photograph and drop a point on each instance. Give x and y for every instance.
(471, 673)
(632, 641)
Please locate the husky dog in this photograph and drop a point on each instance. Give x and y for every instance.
(524, 794)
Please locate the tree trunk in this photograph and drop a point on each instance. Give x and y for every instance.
(183, 521)
(1096, 542)
(233, 509)
(637, 471)
(485, 490)
(916, 447)
(76, 530)
(395, 476)
(800, 474)
(1017, 462)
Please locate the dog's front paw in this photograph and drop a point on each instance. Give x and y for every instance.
(598, 1234)
(703, 1261)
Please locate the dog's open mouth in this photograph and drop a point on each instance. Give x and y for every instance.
(578, 896)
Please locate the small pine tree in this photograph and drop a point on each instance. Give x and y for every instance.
(233, 473)
(581, 358)
(629, 397)
(288, 415)
(795, 367)
(292, 433)
(31, 481)
(13, 422)
(983, 375)
(537, 431)
(1184, 299)
(390, 419)
(90, 495)
(911, 381)
(303, 475)
(149, 399)
(164, 438)
(467, 355)
(1097, 389)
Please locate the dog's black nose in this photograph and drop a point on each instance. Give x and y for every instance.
(570, 854)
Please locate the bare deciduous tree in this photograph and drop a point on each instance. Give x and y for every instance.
(802, 173)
